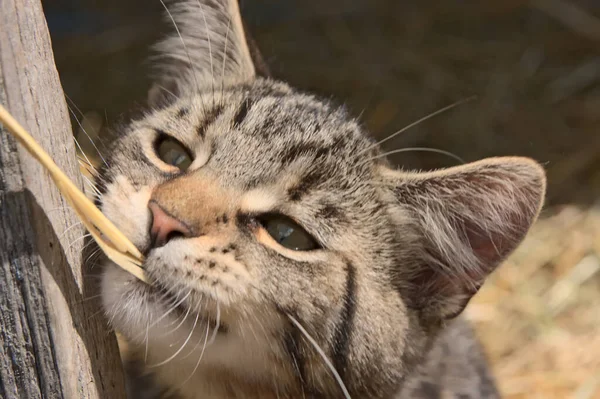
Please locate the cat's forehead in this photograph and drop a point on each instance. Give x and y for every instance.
(265, 131)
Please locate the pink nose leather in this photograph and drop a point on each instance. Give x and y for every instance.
(164, 226)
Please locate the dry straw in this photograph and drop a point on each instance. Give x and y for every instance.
(112, 241)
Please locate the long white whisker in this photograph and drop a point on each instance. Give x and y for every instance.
(171, 310)
(417, 149)
(180, 323)
(67, 229)
(82, 152)
(89, 138)
(76, 240)
(217, 323)
(419, 121)
(92, 186)
(182, 346)
(315, 345)
(201, 354)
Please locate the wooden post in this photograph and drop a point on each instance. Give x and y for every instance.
(54, 340)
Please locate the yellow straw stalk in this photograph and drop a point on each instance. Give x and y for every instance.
(116, 246)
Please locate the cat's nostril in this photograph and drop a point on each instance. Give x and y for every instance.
(165, 227)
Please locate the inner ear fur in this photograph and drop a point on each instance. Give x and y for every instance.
(468, 220)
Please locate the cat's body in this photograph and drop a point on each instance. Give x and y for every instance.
(286, 258)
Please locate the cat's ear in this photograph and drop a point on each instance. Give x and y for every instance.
(206, 49)
(468, 219)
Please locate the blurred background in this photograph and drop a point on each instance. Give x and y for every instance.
(534, 67)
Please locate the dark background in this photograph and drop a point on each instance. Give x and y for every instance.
(535, 71)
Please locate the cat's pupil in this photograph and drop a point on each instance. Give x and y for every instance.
(172, 152)
(288, 234)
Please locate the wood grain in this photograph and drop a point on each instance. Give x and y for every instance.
(54, 342)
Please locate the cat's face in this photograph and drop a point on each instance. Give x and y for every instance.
(262, 213)
(264, 160)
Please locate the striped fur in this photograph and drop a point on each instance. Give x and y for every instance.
(402, 252)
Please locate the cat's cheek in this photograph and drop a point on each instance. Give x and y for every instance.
(127, 208)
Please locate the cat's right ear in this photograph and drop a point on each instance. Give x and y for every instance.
(207, 50)
(466, 220)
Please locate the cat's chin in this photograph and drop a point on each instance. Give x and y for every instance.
(143, 312)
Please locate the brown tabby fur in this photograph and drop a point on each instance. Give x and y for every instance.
(401, 252)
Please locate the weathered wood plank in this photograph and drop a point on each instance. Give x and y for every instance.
(54, 343)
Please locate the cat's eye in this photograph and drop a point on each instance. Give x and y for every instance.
(173, 153)
(288, 233)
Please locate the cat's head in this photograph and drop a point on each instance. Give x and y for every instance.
(264, 212)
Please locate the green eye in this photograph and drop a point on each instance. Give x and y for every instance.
(288, 233)
(172, 152)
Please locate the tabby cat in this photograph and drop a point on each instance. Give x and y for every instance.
(287, 259)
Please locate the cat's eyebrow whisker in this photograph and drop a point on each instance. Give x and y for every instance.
(89, 138)
(417, 149)
(82, 152)
(182, 346)
(167, 91)
(419, 121)
(91, 169)
(321, 353)
(70, 100)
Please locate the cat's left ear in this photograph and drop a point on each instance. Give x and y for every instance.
(467, 220)
(206, 49)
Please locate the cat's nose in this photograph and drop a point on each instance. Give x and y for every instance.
(164, 226)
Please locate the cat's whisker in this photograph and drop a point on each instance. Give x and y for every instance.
(217, 323)
(93, 254)
(70, 100)
(68, 229)
(76, 240)
(212, 73)
(199, 339)
(89, 298)
(89, 138)
(187, 313)
(201, 355)
(81, 151)
(418, 122)
(163, 88)
(92, 186)
(321, 353)
(417, 149)
(182, 346)
(171, 309)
